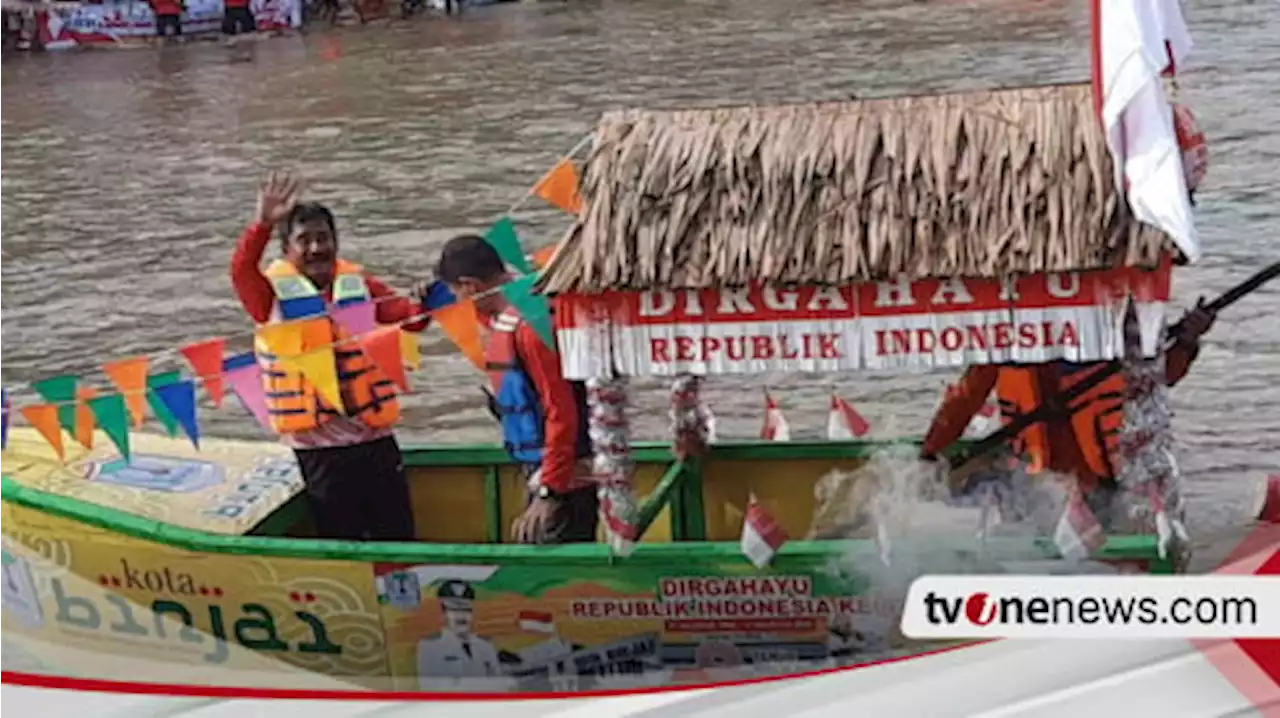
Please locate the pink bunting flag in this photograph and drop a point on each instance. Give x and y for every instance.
(243, 374)
(357, 319)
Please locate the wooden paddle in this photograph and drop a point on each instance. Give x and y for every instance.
(959, 459)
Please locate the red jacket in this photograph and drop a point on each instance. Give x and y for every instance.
(255, 293)
(559, 404)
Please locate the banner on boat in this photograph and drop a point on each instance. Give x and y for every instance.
(85, 596)
(875, 326)
(225, 487)
(66, 25)
(576, 626)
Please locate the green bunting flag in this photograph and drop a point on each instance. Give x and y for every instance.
(157, 404)
(112, 416)
(533, 308)
(60, 390)
(502, 236)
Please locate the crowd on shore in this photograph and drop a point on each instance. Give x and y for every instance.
(35, 25)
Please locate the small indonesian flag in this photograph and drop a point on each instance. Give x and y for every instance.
(775, 424)
(1167, 527)
(537, 622)
(1078, 533)
(844, 422)
(761, 534)
(984, 422)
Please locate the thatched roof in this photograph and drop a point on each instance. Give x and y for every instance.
(979, 184)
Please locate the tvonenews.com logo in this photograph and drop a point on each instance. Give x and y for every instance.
(1093, 606)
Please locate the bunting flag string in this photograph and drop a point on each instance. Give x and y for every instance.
(170, 398)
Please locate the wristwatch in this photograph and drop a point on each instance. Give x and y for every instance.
(545, 492)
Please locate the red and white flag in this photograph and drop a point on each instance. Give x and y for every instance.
(1137, 41)
(984, 422)
(1078, 533)
(775, 426)
(844, 422)
(761, 534)
(537, 622)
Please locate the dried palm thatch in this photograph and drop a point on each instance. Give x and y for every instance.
(979, 184)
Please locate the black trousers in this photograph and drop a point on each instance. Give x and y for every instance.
(168, 25)
(238, 20)
(576, 517)
(358, 492)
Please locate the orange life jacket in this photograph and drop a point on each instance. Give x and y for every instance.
(1096, 426)
(292, 402)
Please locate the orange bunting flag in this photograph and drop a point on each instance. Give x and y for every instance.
(130, 378)
(44, 417)
(560, 187)
(383, 347)
(205, 359)
(542, 257)
(460, 323)
(319, 367)
(85, 423)
(282, 340)
(410, 350)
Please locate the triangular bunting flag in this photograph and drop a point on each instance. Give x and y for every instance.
(459, 322)
(243, 375)
(542, 257)
(502, 236)
(438, 295)
(157, 405)
(319, 367)
(44, 417)
(205, 359)
(383, 348)
(761, 534)
(113, 417)
(84, 416)
(533, 308)
(180, 399)
(356, 319)
(560, 187)
(4, 416)
(844, 422)
(60, 390)
(281, 339)
(775, 426)
(410, 350)
(130, 378)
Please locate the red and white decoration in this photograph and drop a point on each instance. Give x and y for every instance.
(762, 536)
(1135, 42)
(984, 422)
(68, 25)
(844, 422)
(875, 325)
(1078, 533)
(537, 622)
(775, 426)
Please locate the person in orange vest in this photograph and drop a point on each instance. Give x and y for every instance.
(350, 462)
(543, 415)
(1079, 443)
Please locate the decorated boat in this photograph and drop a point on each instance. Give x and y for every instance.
(901, 234)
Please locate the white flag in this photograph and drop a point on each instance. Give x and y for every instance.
(775, 424)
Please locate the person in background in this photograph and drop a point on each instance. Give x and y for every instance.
(168, 18)
(543, 416)
(237, 18)
(350, 462)
(1077, 443)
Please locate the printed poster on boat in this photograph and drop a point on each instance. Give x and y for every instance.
(74, 594)
(901, 324)
(225, 487)
(577, 625)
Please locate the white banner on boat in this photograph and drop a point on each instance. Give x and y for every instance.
(875, 325)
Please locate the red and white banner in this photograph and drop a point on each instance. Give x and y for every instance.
(65, 26)
(875, 325)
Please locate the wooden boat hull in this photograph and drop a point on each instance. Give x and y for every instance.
(84, 580)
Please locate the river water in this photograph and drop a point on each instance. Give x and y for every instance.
(128, 175)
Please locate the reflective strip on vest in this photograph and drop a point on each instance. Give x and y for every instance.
(349, 289)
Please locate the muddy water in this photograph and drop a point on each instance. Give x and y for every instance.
(127, 175)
